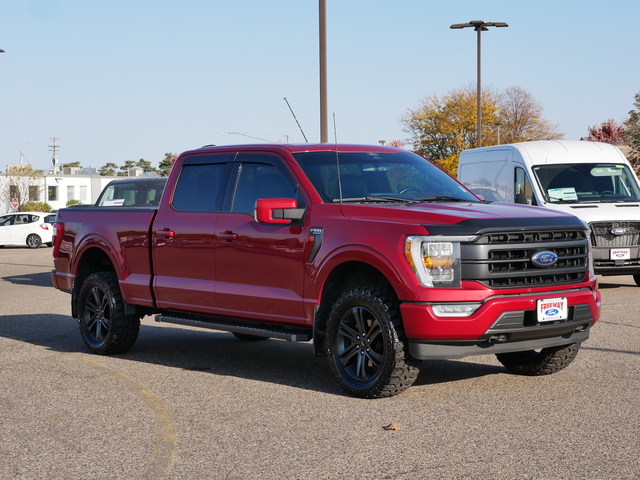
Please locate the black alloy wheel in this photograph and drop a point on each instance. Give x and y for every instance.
(104, 326)
(366, 346)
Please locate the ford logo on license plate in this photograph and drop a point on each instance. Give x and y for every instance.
(544, 259)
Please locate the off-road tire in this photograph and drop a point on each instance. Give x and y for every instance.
(34, 241)
(636, 278)
(366, 345)
(104, 327)
(546, 361)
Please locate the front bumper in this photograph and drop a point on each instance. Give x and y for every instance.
(421, 350)
(504, 323)
(604, 265)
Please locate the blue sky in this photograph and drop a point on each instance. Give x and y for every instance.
(128, 79)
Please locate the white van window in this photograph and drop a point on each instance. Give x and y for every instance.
(523, 193)
(490, 179)
(587, 182)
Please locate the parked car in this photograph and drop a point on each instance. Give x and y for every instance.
(26, 228)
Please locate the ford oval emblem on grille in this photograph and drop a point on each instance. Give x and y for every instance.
(618, 231)
(544, 259)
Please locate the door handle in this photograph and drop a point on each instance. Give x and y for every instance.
(165, 232)
(228, 236)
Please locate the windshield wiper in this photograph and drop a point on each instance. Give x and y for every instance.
(562, 200)
(377, 199)
(442, 198)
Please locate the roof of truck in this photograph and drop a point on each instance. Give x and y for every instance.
(299, 147)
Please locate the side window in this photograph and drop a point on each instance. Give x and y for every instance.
(6, 220)
(491, 179)
(198, 188)
(523, 193)
(259, 181)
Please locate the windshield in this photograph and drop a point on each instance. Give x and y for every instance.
(587, 182)
(132, 193)
(379, 177)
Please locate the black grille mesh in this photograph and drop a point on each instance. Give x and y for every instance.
(601, 235)
(503, 260)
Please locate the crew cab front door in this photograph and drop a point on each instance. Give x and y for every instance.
(259, 267)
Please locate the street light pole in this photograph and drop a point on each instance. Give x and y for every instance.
(479, 26)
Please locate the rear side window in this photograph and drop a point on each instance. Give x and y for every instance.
(23, 219)
(199, 187)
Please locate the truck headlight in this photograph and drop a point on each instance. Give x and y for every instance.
(435, 259)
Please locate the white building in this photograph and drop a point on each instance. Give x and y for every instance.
(56, 189)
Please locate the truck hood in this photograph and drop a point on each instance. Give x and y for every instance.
(465, 218)
(600, 212)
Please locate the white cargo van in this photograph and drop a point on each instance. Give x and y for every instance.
(593, 181)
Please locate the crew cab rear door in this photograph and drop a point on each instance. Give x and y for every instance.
(259, 267)
(183, 234)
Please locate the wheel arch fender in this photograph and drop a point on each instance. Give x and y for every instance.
(94, 255)
(347, 268)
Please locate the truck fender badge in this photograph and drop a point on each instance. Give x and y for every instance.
(544, 259)
(618, 231)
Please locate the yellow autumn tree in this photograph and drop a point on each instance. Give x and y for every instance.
(442, 127)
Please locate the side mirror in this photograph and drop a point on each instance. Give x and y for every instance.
(522, 199)
(277, 210)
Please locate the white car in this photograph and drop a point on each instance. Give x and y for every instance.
(26, 228)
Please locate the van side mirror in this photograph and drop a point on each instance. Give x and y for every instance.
(522, 199)
(278, 210)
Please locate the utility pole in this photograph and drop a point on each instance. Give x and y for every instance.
(54, 148)
(324, 117)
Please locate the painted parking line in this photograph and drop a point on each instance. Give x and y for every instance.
(161, 459)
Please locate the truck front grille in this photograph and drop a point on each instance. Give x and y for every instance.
(602, 236)
(503, 260)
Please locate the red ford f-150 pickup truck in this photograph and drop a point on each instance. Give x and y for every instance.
(374, 253)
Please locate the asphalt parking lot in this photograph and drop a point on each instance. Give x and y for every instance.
(190, 404)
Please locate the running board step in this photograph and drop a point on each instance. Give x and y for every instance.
(291, 334)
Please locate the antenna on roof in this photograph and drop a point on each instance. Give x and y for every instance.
(294, 117)
(335, 137)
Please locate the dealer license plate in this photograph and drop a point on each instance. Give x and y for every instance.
(552, 309)
(620, 254)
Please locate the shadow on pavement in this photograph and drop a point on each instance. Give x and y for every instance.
(220, 353)
(42, 279)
